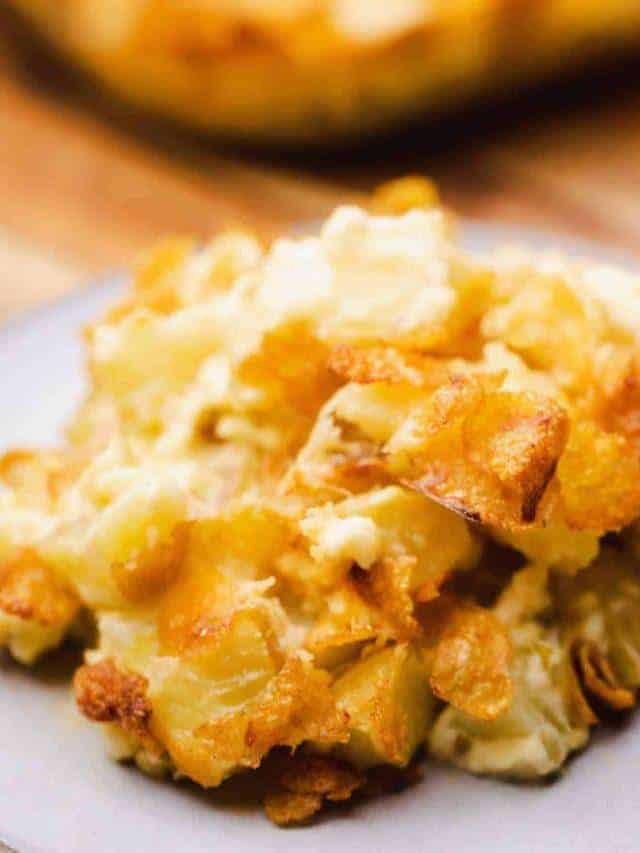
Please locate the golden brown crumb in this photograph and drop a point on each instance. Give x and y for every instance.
(599, 678)
(582, 714)
(470, 657)
(386, 586)
(314, 774)
(599, 476)
(307, 782)
(107, 694)
(296, 706)
(486, 454)
(286, 809)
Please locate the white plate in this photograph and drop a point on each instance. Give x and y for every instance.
(58, 791)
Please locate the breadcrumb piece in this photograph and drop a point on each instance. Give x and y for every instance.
(598, 677)
(107, 694)
(308, 781)
(469, 655)
(386, 586)
(287, 809)
(599, 476)
(486, 454)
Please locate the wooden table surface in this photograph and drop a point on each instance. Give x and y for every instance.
(83, 188)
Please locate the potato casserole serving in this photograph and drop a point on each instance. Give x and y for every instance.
(338, 500)
(303, 71)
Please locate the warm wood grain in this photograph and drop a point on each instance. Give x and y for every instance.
(81, 193)
(83, 188)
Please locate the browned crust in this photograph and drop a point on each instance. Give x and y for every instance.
(530, 456)
(487, 455)
(296, 706)
(582, 713)
(305, 782)
(598, 677)
(386, 586)
(429, 486)
(287, 809)
(107, 694)
(599, 478)
(468, 653)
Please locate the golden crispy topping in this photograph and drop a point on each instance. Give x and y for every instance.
(107, 694)
(468, 654)
(346, 624)
(296, 706)
(386, 587)
(582, 714)
(307, 780)
(285, 808)
(598, 677)
(488, 455)
(599, 477)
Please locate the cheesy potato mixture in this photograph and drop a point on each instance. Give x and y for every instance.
(333, 502)
(302, 71)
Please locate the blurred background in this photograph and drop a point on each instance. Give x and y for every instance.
(122, 121)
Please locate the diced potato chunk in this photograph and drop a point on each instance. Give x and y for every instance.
(389, 704)
(228, 669)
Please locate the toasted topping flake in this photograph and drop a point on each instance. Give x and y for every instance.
(468, 655)
(307, 780)
(599, 678)
(107, 694)
(599, 476)
(488, 455)
(296, 706)
(285, 808)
